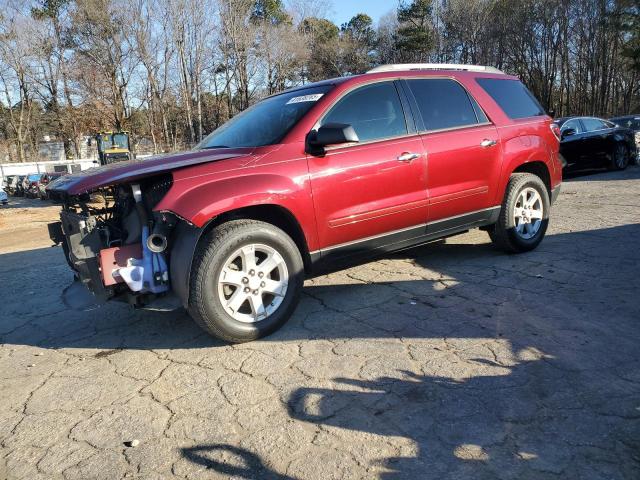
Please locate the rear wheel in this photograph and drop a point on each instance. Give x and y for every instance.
(620, 156)
(524, 215)
(246, 280)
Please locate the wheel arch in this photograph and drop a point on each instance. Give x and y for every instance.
(187, 237)
(537, 168)
(274, 214)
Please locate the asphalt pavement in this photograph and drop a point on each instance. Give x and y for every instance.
(448, 361)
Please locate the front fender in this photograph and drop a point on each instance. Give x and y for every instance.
(203, 201)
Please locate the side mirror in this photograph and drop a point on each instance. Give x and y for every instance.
(331, 134)
(568, 132)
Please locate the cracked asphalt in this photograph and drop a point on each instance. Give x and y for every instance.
(450, 360)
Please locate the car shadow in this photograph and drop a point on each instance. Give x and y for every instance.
(23, 202)
(216, 457)
(600, 174)
(522, 366)
(528, 419)
(342, 305)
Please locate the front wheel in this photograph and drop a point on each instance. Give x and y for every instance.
(246, 280)
(524, 214)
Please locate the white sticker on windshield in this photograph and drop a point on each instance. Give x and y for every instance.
(306, 98)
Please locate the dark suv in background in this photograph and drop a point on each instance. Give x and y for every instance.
(316, 177)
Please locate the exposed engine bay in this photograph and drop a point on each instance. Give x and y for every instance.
(115, 243)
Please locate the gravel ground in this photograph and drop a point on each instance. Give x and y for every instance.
(446, 361)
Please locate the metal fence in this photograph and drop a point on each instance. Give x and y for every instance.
(65, 166)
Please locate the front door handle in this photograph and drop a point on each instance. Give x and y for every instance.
(408, 157)
(487, 143)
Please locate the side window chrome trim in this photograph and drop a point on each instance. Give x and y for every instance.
(460, 127)
(371, 142)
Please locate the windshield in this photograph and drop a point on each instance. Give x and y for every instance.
(120, 140)
(116, 140)
(267, 122)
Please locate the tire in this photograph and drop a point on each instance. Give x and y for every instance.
(512, 235)
(214, 262)
(619, 156)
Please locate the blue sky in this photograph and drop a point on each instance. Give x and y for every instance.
(343, 10)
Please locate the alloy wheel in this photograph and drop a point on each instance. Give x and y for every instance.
(528, 213)
(253, 283)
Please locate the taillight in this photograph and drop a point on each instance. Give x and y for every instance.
(556, 130)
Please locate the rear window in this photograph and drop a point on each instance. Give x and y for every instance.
(512, 96)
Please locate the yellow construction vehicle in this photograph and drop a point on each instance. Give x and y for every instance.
(113, 147)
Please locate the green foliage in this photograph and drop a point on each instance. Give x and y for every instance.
(270, 11)
(631, 28)
(48, 9)
(320, 29)
(360, 29)
(415, 35)
(359, 40)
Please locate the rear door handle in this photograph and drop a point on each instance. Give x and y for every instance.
(486, 143)
(408, 157)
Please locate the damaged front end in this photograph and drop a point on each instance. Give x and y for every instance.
(116, 244)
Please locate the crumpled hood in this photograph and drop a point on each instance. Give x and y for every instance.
(119, 172)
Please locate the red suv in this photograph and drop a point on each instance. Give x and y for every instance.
(318, 176)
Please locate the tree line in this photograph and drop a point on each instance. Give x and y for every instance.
(170, 71)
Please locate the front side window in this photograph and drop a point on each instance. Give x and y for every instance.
(515, 100)
(593, 124)
(443, 104)
(374, 111)
(267, 122)
(572, 124)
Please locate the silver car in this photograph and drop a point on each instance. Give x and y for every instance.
(4, 199)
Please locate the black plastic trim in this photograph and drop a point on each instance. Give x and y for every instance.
(342, 254)
(185, 239)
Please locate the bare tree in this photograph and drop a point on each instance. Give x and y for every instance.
(51, 69)
(99, 37)
(16, 32)
(152, 44)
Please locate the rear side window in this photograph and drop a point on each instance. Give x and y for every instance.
(512, 97)
(443, 103)
(374, 111)
(593, 124)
